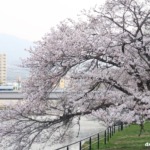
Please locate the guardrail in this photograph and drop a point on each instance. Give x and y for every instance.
(104, 137)
(13, 95)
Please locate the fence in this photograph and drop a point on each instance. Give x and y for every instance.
(95, 138)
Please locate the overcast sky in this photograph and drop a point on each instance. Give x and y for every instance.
(31, 19)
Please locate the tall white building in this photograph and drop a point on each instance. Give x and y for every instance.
(2, 68)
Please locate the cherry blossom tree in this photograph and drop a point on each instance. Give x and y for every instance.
(106, 56)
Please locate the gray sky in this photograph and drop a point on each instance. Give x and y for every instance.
(31, 19)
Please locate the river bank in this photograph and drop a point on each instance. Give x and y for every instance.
(87, 128)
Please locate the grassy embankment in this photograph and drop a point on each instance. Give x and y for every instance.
(127, 139)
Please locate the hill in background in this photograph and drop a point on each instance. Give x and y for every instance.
(14, 48)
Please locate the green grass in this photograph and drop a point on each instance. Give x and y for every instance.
(127, 139)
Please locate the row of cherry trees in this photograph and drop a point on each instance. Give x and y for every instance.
(106, 55)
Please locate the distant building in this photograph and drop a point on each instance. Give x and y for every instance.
(2, 68)
(64, 83)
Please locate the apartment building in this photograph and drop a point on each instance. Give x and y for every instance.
(2, 68)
